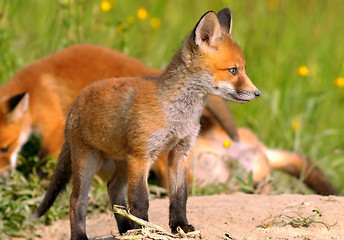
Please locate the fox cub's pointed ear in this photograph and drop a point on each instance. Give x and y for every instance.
(225, 20)
(207, 30)
(15, 106)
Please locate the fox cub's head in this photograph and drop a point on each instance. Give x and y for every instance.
(221, 57)
(14, 128)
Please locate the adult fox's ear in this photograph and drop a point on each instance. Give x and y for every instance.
(207, 30)
(15, 106)
(225, 20)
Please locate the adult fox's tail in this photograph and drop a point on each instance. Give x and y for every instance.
(59, 180)
(300, 167)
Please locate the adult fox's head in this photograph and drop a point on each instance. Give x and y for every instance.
(221, 58)
(14, 128)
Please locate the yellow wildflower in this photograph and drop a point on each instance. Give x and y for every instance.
(339, 82)
(296, 124)
(273, 5)
(155, 22)
(226, 144)
(303, 71)
(131, 19)
(142, 13)
(105, 6)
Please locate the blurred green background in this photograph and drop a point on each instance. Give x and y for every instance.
(294, 52)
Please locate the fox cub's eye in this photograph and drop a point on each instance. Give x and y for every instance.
(4, 149)
(233, 71)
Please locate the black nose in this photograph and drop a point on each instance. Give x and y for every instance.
(257, 93)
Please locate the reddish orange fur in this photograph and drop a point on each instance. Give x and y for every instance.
(219, 62)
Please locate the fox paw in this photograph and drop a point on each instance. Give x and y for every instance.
(185, 228)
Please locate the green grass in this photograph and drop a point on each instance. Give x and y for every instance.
(22, 192)
(277, 37)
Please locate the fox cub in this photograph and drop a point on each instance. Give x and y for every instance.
(132, 121)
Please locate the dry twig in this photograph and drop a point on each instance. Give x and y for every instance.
(150, 230)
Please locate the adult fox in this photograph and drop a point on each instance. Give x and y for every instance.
(132, 121)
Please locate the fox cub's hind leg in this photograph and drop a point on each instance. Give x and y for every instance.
(117, 188)
(178, 192)
(85, 163)
(138, 169)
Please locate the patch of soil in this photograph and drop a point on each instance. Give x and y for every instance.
(239, 214)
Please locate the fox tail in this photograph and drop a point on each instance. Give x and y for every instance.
(58, 182)
(300, 167)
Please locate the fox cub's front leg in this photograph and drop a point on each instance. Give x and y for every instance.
(177, 173)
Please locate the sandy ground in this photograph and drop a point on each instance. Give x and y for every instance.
(239, 214)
